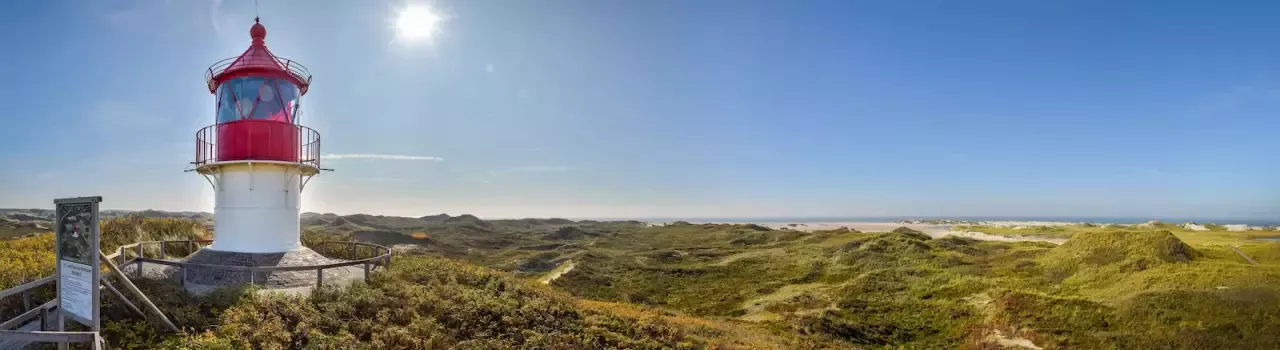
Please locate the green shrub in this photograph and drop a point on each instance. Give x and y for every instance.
(30, 258)
(429, 303)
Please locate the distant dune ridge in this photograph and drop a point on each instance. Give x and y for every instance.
(19, 222)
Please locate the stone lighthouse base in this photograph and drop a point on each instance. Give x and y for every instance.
(279, 279)
(201, 280)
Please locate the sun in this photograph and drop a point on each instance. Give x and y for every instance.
(417, 22)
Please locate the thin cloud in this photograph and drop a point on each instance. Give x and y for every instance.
(380, 156)
(541, 169)
(213, 16)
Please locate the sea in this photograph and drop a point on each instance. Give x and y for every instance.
(1089, 219)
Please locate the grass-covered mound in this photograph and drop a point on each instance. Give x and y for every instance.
(896, 290)
(419, 303)
(1231, 318)
(1113, 252)
(135, 228)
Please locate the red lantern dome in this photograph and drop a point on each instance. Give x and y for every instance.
(258, 109)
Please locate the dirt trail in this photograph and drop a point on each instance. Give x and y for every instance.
(755, 308)
(1014, 342)
(1242, 254)
(983, 303)
(564, 268)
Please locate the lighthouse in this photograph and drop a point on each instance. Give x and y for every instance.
(257, 155)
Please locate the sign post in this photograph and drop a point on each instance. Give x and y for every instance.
(78, 272)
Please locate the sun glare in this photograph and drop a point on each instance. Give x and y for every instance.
(417, 22)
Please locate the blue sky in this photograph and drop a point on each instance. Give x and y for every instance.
(674, 108)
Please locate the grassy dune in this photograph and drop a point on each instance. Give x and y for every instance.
(426, 303)
(749, 287)
(905, 289)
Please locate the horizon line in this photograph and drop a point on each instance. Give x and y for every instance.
(818, 218)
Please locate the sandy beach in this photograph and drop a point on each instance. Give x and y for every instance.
(933, 230)
(936, 231)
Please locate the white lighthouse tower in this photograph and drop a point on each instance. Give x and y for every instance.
(257, 155)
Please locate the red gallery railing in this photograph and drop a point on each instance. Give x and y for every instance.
(265, 140)
(297, 71)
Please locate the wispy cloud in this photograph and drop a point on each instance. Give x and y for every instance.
(541, 169)
(1241, 96)
(1155, 171)
(213, 16)
(123, 116)
(380, 156)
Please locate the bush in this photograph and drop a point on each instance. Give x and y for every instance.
(25, 260)
(430, 303)
(135, 228)
(30, 258)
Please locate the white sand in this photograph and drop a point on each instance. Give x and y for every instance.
(564, 268)
(1194, 227)
(935, 231)
(860, 226)
(1236, 227)
(942, 230)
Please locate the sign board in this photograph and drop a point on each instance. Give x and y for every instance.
(77, 249)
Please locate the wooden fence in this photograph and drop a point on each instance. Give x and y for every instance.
(42, 312)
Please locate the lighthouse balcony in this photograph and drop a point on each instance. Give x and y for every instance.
(258, 140)
(260, 65)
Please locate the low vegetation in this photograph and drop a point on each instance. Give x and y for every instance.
(32, 257)
(462, 282)
(419, 303)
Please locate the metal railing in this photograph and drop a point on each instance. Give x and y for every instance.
(294, 69)
(381, 258)
(306, 153)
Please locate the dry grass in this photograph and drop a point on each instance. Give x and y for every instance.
(719, 334)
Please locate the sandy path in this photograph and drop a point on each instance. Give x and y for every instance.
(755, 308)
(1243, 255)
(564, 268)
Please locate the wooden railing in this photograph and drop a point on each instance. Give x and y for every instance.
(42, 312)
(381, 259)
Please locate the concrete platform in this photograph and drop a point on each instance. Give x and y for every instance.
(204, 280)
